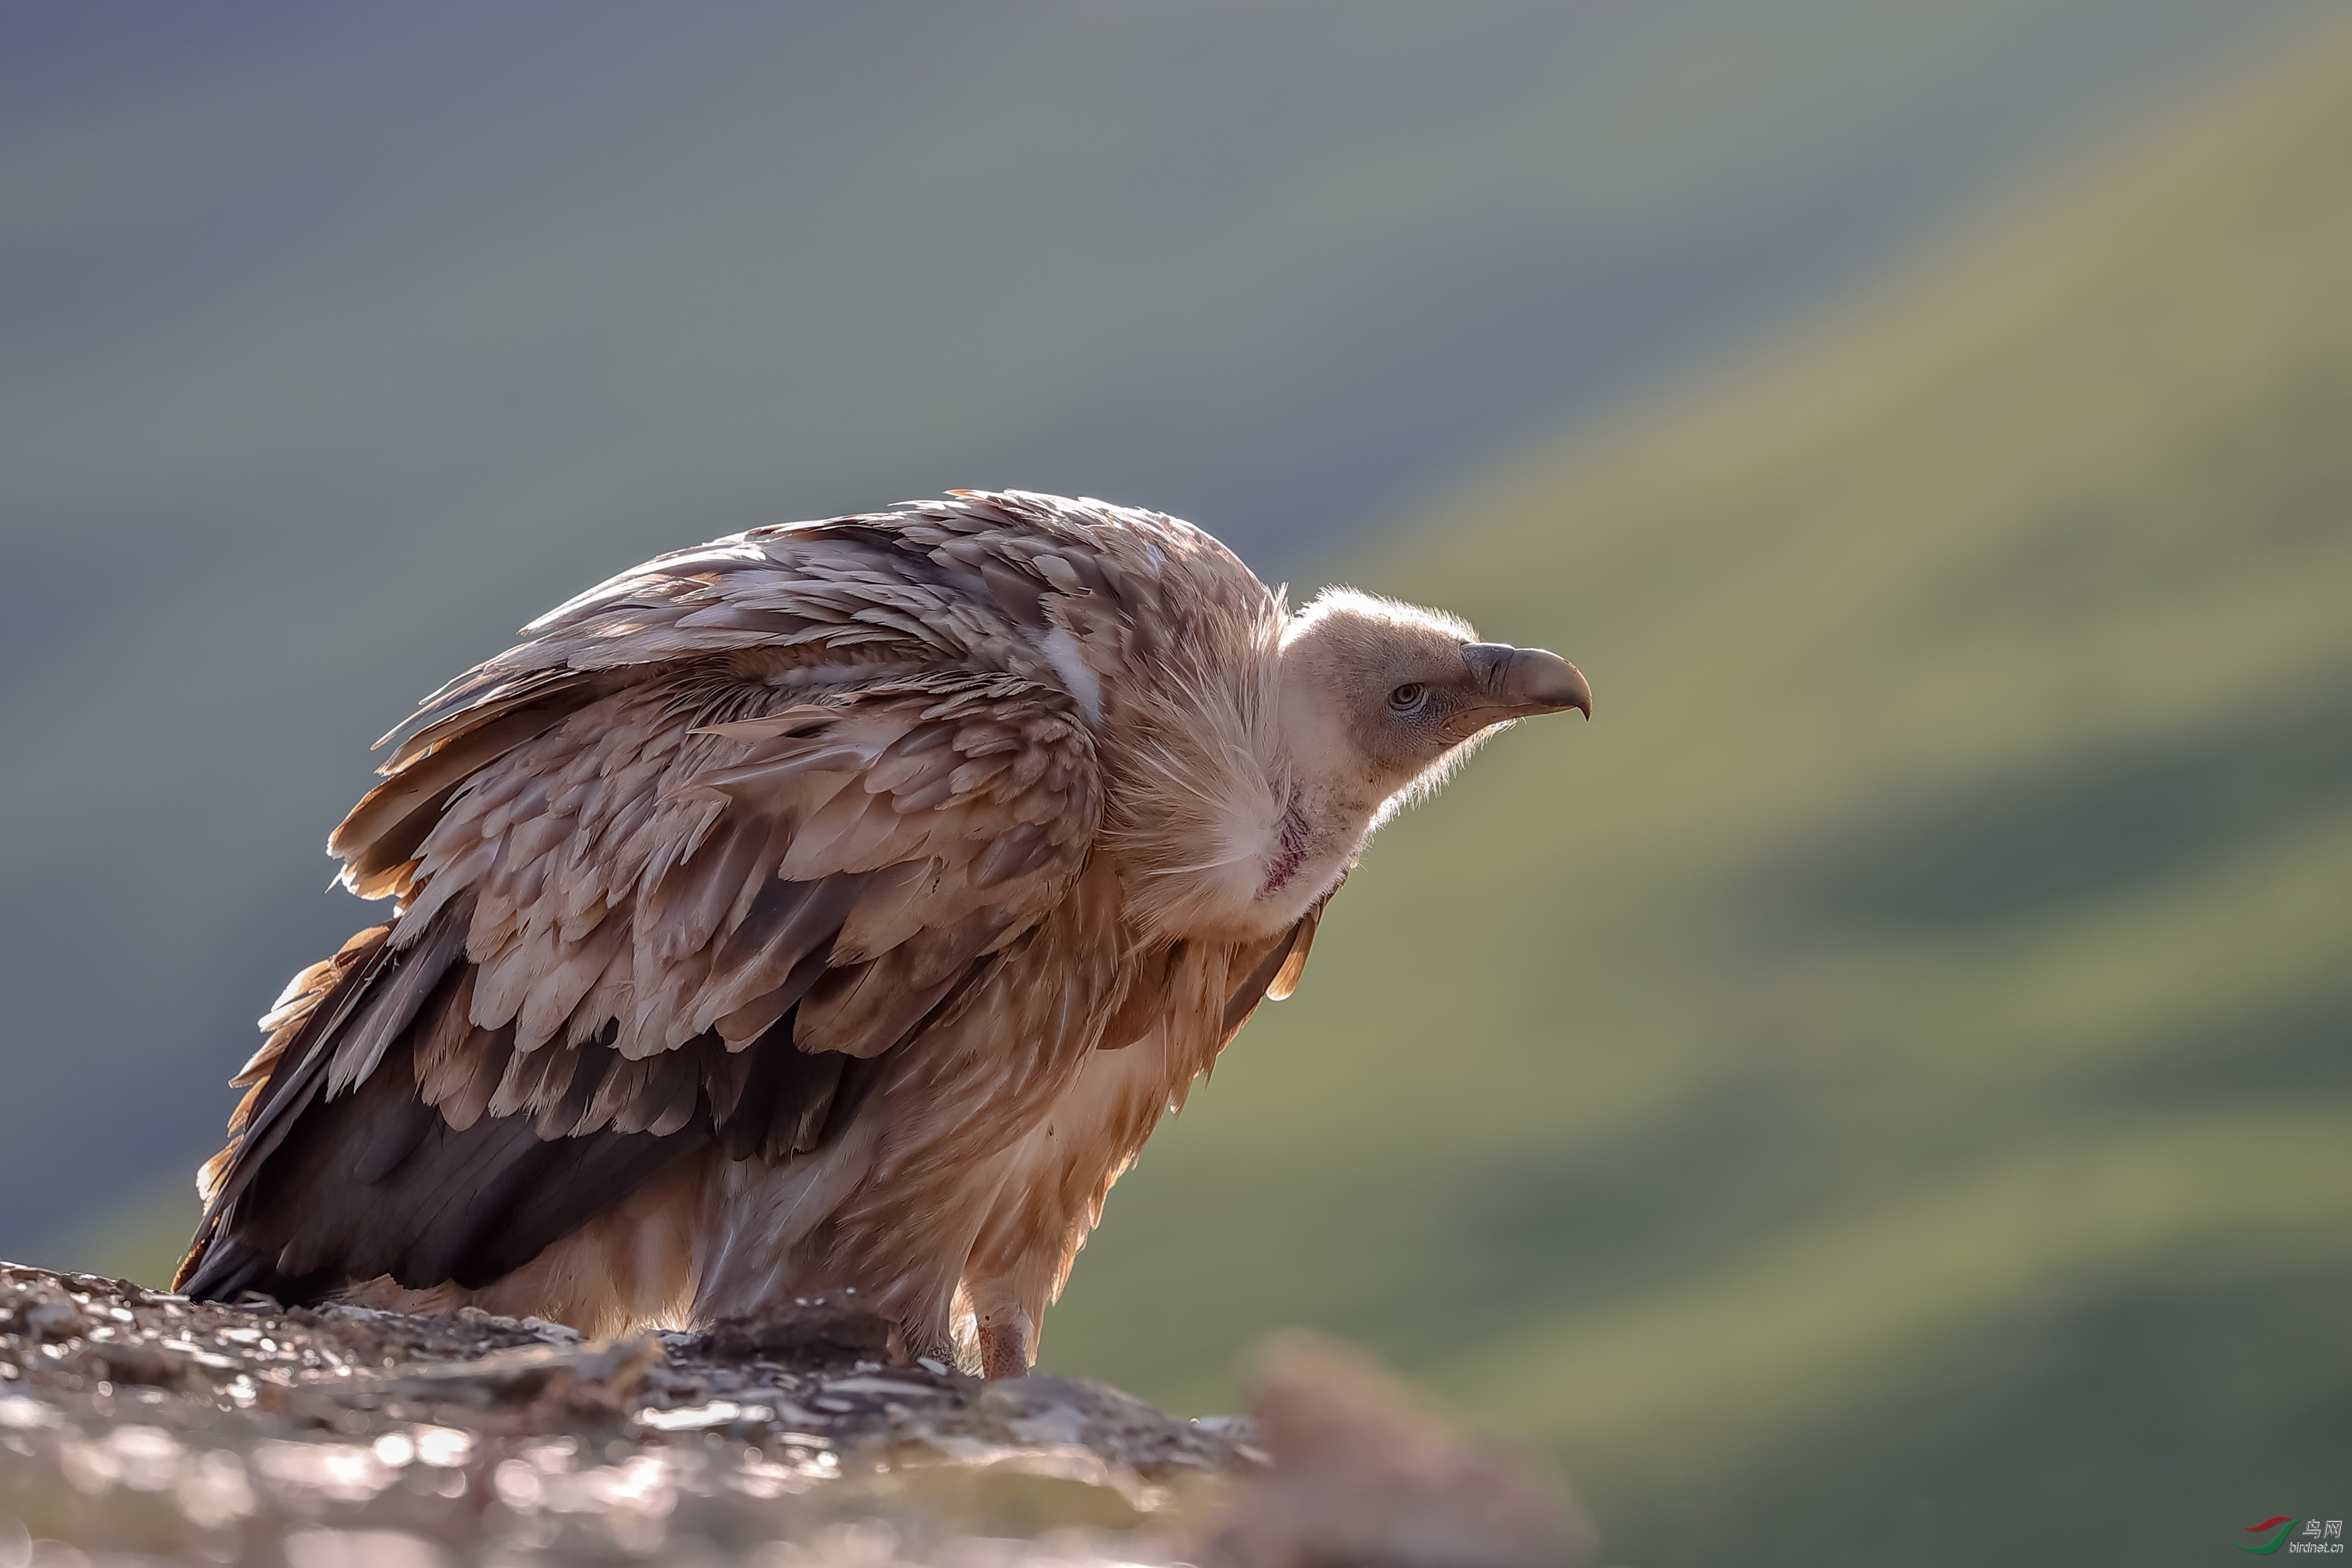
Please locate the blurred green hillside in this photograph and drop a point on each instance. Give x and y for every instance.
(336, 341)
(1880, 1092)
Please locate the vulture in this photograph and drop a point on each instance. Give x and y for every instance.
(837, 906)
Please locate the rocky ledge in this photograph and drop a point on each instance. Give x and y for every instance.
(139, 1426)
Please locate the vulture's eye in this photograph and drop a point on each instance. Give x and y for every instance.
(1408, 697)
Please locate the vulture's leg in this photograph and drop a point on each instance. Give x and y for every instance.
(1004, 1345)
(1007, 1333)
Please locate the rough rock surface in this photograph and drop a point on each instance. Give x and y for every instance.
(137, 1425)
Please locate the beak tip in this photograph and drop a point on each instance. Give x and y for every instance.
(1572, 689)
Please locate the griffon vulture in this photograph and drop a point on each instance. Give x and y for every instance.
(835, 905)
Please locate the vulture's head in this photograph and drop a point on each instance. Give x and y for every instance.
(1380, 700)
(1371, 704)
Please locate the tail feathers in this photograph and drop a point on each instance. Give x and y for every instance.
(228, 1268)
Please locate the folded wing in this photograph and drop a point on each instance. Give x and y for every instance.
(648, 906)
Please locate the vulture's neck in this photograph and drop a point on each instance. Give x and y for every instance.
(1236, 822)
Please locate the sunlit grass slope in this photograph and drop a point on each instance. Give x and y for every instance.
(1880, 1092)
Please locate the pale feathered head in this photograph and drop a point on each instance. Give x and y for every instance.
(1385, 698)
(1260, 783)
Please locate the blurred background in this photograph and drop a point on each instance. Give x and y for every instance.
(1878, 1093)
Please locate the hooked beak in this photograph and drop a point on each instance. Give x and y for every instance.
(1524, 680)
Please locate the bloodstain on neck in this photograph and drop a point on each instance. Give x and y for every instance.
(1288, 855)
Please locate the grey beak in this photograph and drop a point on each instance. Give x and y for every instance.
(1528, 679)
